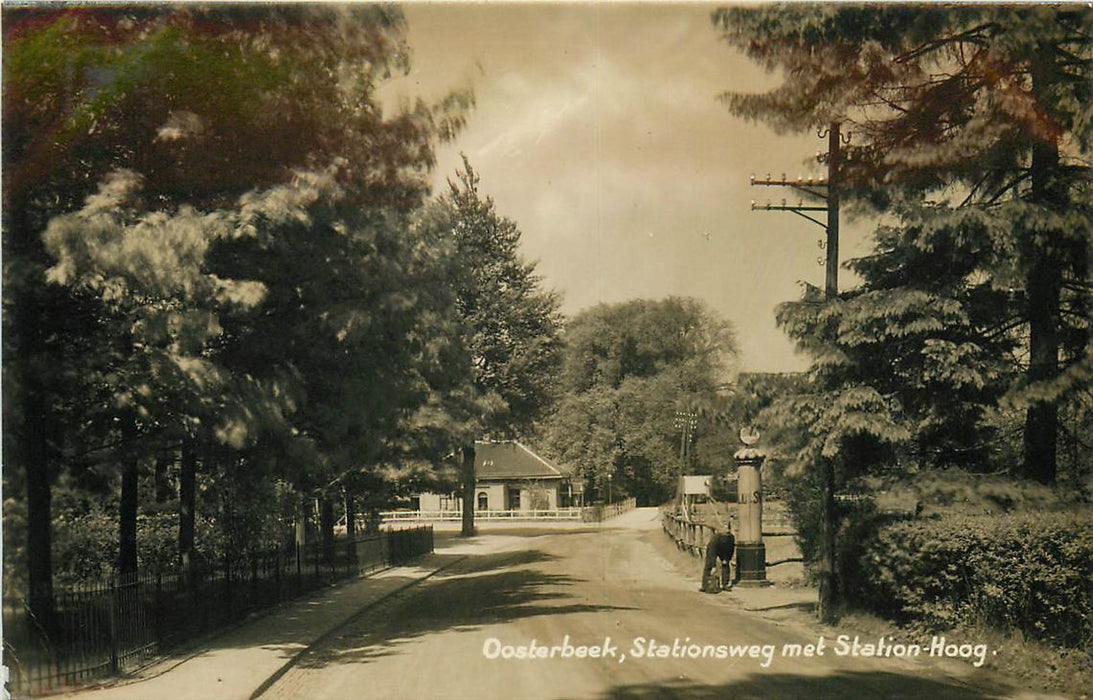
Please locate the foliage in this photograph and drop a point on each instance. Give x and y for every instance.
(1028, 572)
(132, 138)
(492, 355)
(629, 368)
(971, 128)
(511, 324)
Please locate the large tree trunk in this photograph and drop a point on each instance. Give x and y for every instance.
(351, 528)
(350, 516)
(1042, 417)
(39, 513)
(27, 350)
(1043, 253)
(187, 499)
(163, 484)
(127, 510)
(468, 490)
(300, 530)
(326, 525)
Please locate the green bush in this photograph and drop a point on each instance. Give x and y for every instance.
(1031, 572)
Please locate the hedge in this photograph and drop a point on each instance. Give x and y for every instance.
(1031, 572)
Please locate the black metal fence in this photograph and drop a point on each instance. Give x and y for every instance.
(117, 625)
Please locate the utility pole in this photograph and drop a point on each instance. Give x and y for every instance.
(686, 422)
(827, 190)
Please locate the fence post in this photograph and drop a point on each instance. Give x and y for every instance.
(159, 610)
(114, 623)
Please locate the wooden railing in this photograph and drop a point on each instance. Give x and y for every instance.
(599, 513)
(688, 535)
(692, 533)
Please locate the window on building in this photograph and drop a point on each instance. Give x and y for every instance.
(514, 499)
(483, 500)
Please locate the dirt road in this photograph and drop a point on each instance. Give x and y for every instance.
(600, 612)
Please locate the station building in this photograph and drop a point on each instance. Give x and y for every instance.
(511, 476)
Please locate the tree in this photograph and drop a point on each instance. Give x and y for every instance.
(203, 104)
(509, 326)
(629, 368)
(972, 125)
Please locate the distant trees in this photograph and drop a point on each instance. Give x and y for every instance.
(629, 368)
(208, 249)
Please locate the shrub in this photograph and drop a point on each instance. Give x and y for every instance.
(1030, 572)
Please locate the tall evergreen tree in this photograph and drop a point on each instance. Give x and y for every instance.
(509, 326)
(972, 124)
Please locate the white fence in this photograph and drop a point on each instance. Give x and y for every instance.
(585, 514)
(444, 515)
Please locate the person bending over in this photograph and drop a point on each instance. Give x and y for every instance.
(721, 546)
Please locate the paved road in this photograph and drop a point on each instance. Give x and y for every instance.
(608, 592)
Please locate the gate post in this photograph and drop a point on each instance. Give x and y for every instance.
(751, 553)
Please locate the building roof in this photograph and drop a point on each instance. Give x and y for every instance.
(512, 460)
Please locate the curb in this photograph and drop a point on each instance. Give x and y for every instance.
(287, 666)
(194, 646)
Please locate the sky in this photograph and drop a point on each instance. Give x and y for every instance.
(597, 129)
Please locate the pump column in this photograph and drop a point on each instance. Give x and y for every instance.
(751, 553)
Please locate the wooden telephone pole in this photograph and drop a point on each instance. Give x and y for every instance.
(827, 190)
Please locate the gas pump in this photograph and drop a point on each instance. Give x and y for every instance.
(751, 553)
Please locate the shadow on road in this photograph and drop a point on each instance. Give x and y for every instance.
(845, 684)
(482, 590)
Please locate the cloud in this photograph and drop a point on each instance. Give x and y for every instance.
(597, 130)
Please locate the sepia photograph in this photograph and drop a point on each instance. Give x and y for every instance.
(528, 350)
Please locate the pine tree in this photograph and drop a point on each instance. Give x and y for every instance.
(971, 125)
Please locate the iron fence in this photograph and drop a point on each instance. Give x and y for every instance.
(113, 626)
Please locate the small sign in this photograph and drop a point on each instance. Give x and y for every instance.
(696, 485)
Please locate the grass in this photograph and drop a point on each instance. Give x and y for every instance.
(1036, 666)
(1033, 665)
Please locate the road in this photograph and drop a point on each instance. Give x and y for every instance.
(605, 591)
